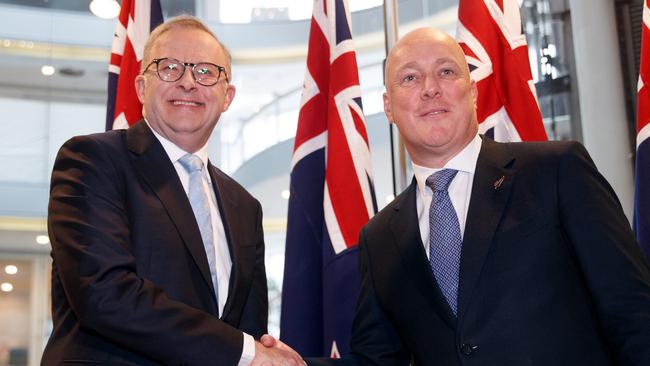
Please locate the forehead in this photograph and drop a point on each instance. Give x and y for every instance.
(426, 51)
(188, 44)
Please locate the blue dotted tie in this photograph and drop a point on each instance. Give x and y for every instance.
(199, 201)
(444, 236)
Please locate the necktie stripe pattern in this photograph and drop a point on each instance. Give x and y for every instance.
(444, 236)
(201, 207)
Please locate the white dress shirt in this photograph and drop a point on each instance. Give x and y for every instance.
(221, 250)
(460, 189)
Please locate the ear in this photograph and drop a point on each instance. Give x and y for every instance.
(230, 95)
(139, 87)
(387, 110)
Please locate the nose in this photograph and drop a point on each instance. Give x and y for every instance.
(430, 88)
(187, 81)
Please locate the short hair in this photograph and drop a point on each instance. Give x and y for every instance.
(180, 22)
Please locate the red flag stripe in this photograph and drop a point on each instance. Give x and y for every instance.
(128, 44)
(503, 74)
(643, 97)
(330, 96)
(641, 221)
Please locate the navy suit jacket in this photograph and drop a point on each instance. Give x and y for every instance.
(550, 272)
(130, 277)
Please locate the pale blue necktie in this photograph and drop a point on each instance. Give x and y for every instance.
(444, 236)
(201, 207)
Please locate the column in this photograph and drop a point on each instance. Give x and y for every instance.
(601, 94)
(39, 309)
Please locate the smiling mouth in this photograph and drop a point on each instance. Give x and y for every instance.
(186, 102)
(434, 112)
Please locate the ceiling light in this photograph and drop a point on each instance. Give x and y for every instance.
(42, 239)
(11, 269)
(285, 194)
(6, 287)
(47, 70)
(105, 9)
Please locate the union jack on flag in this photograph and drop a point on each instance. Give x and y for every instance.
(331, 189)
(491, 36)
(642, 180)
(137, 19)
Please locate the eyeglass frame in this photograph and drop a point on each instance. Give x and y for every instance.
(222, 70)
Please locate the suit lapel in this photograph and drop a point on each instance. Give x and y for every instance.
(228, 208)
(151, 161)
(491, 188)
(406, 233)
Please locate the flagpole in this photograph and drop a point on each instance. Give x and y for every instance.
(397, 150)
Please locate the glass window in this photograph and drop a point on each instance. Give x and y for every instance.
(24, 309)
(547, 25)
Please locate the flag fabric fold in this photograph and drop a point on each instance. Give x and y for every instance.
(491, 35)
(331, 192)
(136, 20)
(642, 177)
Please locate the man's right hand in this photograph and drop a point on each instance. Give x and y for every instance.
(272, 352)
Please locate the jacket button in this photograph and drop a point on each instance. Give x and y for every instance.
(467, 349)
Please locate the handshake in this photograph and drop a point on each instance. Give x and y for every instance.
(273, 352)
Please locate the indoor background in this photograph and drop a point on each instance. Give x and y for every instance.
(53, 75)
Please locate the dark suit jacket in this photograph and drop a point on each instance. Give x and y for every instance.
(550, 272)
(130, 278)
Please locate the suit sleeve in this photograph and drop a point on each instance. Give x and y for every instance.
(255, 314)
(608, 254)
(96, 265)
(374, 339)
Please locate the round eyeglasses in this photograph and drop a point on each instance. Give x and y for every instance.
(171, 69)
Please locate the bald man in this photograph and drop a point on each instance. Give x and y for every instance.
(497, 253)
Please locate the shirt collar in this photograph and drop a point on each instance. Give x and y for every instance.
(174, 152)
(464, 161)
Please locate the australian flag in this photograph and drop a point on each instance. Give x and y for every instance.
(137, 19)
(492, 38)
(642, 180)
(331, 189)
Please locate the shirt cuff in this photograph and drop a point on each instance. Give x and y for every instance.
(248, 351)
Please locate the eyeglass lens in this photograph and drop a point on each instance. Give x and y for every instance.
(170, 69)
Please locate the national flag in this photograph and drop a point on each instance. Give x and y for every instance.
(137, 19)
(331, 192)
(642, 180)
(491, 35)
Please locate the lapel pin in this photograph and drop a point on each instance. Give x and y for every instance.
(499, 181)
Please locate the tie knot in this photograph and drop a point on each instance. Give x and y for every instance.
(191, 163)
(440, 180)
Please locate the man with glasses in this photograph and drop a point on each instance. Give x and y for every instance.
(158, 256)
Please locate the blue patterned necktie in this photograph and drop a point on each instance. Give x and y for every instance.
(444, 236)
(201, 207)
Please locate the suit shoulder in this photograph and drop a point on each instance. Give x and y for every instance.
(546, 148)
(108, 139)
(547, 154)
